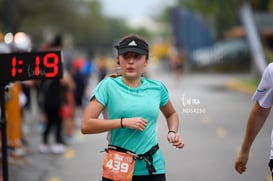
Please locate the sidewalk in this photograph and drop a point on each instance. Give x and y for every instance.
(35, 166)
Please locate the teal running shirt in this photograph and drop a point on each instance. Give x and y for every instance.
(143, 101)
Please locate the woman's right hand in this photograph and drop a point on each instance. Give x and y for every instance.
(241, 161)
(137, 123)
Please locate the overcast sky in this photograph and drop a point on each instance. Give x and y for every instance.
(136, 9)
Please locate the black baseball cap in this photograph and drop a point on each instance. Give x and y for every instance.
(132, 44)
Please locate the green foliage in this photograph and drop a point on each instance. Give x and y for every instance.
(83, 20)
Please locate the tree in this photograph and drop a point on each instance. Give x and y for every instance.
(82, 20)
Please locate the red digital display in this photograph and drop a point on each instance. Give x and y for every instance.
(28, 66)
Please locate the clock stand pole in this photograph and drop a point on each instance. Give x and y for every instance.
(3, 126)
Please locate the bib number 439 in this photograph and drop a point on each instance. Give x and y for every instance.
(118, 166)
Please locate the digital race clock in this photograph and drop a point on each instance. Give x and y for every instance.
(28, 66)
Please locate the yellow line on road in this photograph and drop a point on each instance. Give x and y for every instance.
(69, 154)
(205, 119)
(55, 179)
(234, 84)
(221, 132)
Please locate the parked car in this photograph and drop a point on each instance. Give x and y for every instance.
(223, 52)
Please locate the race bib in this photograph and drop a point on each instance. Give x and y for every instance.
(118, 166)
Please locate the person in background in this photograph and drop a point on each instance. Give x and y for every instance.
(52, 91)
(133, 103)
(102, 67)
(80, 80)
(87, 70)
(68, 105)
(14, 115)
(17, 100)
(89, 67)
(263, 98)
(176, 61)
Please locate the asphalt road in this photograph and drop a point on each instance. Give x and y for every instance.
(212, 123)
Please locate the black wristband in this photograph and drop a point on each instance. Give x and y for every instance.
(121, 119)
(171, 131)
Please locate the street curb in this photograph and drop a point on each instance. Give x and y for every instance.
(237, 85)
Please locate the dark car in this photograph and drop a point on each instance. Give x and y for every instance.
(225, 52)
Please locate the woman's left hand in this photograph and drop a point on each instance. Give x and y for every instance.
(176, 140)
